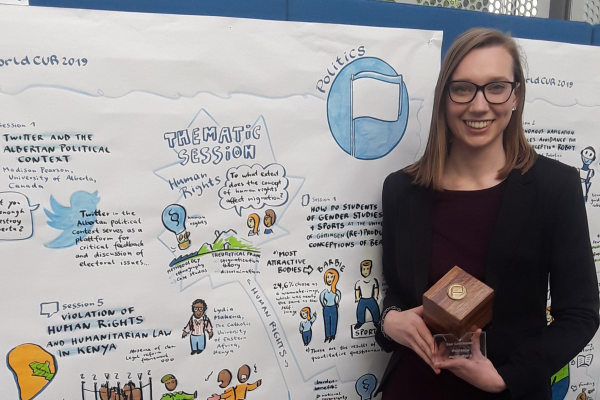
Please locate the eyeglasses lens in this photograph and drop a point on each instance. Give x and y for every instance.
(494, 92)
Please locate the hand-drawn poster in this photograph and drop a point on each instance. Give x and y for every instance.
(190, 206)
(562, 120)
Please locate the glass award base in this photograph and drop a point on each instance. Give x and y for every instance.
(471, 345)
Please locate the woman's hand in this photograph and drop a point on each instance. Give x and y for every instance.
(477, 370)
(408, 329)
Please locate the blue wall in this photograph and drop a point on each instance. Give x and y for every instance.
(355, 12)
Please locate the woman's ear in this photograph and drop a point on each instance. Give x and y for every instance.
(517, 95)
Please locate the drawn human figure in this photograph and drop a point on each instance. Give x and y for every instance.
(224, 379)
(306, 324)
(112, 393)
(104, 392)
(588, 155)
(117, 394)
(131, 392)
(171, 384)
(104, 395)
(330, 300)
(253, 223)
(243, 375)
(268, 221)
(366, 291)
(198, 325)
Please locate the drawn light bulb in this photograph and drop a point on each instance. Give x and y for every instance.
(365, 386)
(173, 218)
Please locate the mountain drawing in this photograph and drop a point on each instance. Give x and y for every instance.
(225, 241)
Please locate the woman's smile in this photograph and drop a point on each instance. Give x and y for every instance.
(478, 124)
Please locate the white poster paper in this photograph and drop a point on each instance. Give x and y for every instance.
(562, 116)
(188, 208)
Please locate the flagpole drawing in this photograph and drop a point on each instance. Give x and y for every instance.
(352, 135)
(368, 108)
(376, 96)
(352, 139)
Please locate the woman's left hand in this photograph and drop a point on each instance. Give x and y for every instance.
(477, 370)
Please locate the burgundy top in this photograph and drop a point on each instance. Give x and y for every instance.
(462, 228)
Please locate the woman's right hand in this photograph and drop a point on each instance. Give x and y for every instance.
(408, 329)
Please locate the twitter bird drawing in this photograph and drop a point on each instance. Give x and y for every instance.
(75, 221)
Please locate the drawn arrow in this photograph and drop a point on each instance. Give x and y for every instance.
(308, 270)
(207, 378)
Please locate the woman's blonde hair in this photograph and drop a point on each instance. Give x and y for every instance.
(429, 169)
(336, 277)
(256, 219)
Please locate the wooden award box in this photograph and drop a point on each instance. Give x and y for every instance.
(458, 303)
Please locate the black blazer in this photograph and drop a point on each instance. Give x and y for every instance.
(541, 236)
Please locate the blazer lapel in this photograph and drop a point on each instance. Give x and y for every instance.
(517, 202)
(421, 211)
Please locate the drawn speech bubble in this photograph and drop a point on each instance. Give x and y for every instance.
(49, 309)
(16, 222)
(254, 187)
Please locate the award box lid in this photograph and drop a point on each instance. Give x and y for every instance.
(458, 303)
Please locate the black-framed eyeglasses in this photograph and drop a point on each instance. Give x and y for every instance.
(198, 308)
(463, 92)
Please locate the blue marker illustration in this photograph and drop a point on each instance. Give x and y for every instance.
(49, 309)
(362, 127)
(173, 218)
(365, 386)
(306, 324)
(75, 221)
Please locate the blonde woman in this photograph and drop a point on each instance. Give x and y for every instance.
(330, 300)
(306, 324)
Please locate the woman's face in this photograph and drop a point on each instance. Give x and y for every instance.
(479, 124)
(329, 278)
(303, 314)
(250, 223)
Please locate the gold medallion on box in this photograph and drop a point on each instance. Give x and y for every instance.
(453, 309)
